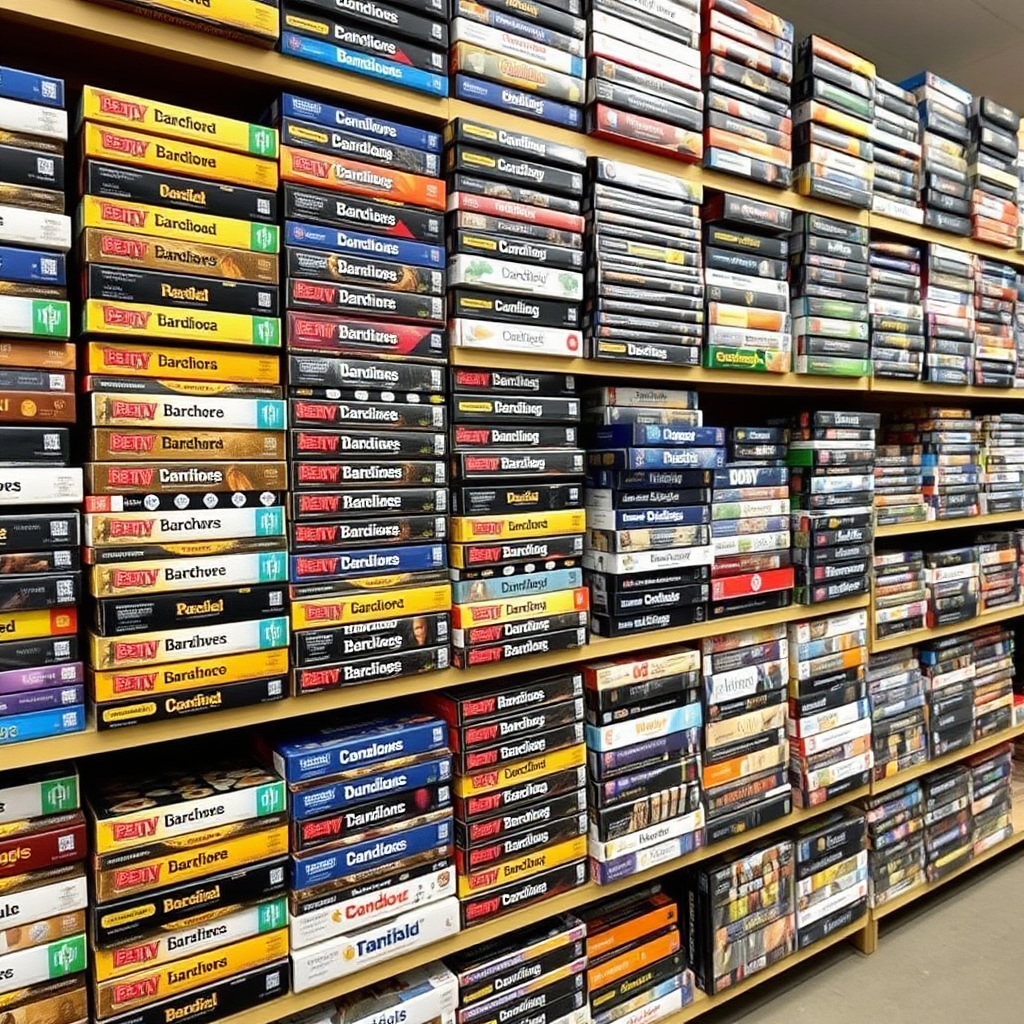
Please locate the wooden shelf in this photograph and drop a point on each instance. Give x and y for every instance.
(502, 926)
(693, 376)
(880, 913)
(924, 389)
(938, 525)
(920, 636)
(705, 1004)
(92, 743)
(954, 757)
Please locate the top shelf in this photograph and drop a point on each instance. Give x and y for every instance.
(134, 33)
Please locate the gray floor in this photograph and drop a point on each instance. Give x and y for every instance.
(956, 957)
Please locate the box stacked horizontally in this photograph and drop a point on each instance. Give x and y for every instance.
(186, 480)
(43, 897)
(370, 812)
(366, 344)
(41, 673)
(899, 727)
(519, 784)
(250, 21)
(188, 877)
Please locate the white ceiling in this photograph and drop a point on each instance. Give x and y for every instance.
(977, 44)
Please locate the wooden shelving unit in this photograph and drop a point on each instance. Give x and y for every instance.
(83, 24)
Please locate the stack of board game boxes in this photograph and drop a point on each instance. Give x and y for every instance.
(897, 315)
(830, 750)
(1003, 461)
(994, 182)
(948, 829)
(748, 307)
(43, 897)
(638, 582)
(518, 523)
(644, 764)
(185, 481)
(496, 595)
(646, 300)
(750, 525)
(830, 282)
(366, 344)
(835, 91)
(944, 111)
(949, 670)
(832, 484)
(899, 727)
(999, 563)
(896, 146)
(899, 477)
(40, 685)
(993, 680)
(520, 791)
(949, 311)
(748, 71)
(953, 582)
(626, 541)
(404, 45)
(515, 236)
(900, 596)
(257, 21)
(895, 842)
(523, 58)
(636, 964)
(951, 441)
(644, 86)
(831, 875)
(370, 871)
(745, 747)
(995, 306)
(506, 808)
(207, 839)
(496, 261)
(535, 973)
(991, 797)
(418, 996)
(740, 915)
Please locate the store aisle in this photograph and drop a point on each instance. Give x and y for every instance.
(954, 958)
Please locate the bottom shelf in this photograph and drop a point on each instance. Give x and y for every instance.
(929, 887)
(705, 1004)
